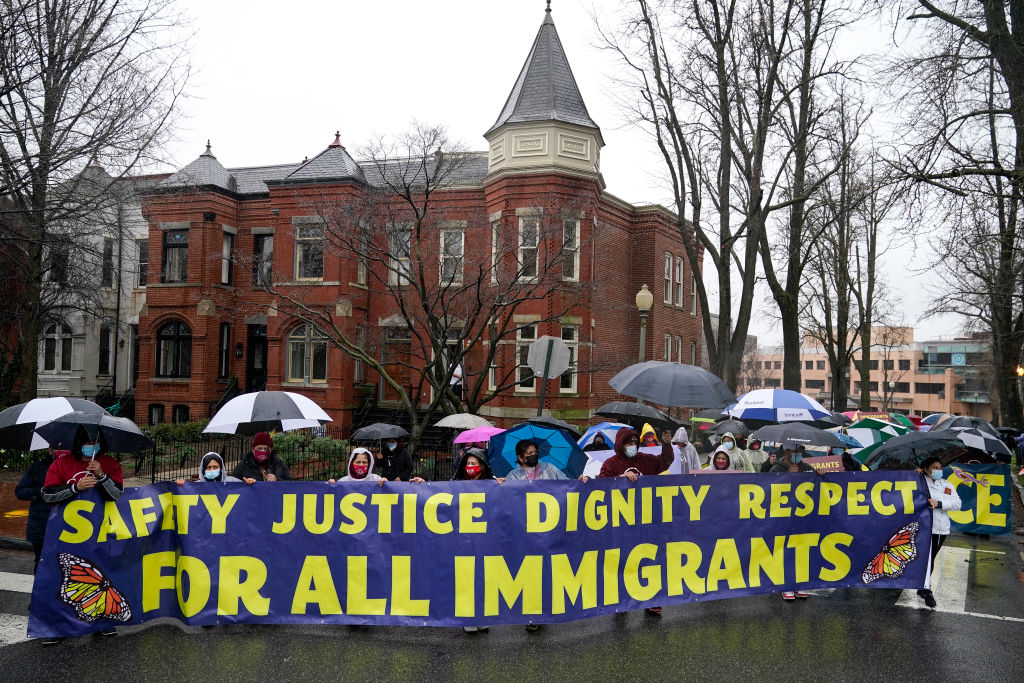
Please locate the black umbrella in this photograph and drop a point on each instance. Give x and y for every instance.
(264, 411)
(909, 450)
(378, 431)
(120, 434)
(554, 422)
(634, 413)
(796, 434)
(983, 441)
(734, 426)
(672, 384)
(18, 423)
(836, 419)
(966, 422)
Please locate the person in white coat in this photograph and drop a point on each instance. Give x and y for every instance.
(687, 451)
(943, 499)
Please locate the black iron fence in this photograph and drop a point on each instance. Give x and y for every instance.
(310, 456)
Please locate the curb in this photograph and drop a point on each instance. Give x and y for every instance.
(8, 543)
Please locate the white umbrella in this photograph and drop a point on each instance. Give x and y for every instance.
(263, 411)
(777, 405)
(18, 423)
(463, 421)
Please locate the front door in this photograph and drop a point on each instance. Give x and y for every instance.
(256, 358)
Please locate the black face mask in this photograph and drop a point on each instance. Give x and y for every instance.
(530, 460)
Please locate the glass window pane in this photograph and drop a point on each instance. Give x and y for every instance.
(318, 371)
(296, 361)
(50, 354)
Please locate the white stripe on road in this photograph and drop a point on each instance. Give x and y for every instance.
(949, 586)
(19, 583)
(13, 629)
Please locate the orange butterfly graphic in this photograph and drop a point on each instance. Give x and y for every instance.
(895, 555)
(89, 592)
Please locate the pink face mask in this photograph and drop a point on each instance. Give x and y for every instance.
(473, 470)
(261, 455)
(360, 471)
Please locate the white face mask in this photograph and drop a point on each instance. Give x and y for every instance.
(630, 451)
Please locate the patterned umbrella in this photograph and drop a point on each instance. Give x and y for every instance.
(555, 446)
(18, 423)
(120, 434)
(264, 411)
(912, 448)
(777, 405)
(983, 441)
(871, 433)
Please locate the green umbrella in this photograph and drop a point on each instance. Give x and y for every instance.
(872, 433)
(902, 419)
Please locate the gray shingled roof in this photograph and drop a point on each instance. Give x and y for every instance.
(205, 171)
(471, 172)
(334, 163)
(546, 89)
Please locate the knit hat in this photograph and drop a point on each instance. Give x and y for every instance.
(262, 439)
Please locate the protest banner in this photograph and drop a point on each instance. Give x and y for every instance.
(984, 492)
(469, 553)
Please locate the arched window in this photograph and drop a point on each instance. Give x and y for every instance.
(307, 355)
(174, 350)
(57, 348)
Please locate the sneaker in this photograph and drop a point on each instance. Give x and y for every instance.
(654, 610)
(52, 641)
(800, 594)
(470, 629)
(788, 595)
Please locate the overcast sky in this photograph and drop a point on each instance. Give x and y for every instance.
(273, 83)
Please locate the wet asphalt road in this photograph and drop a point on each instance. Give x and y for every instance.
(845, 635)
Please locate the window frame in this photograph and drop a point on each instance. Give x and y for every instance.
(107, 266)
(572, 372)
(666, 351)
(177, 340)
(142, 269)
(444, 257)
(224, 351)
(306, 248)
(667, 294)
(495, 224)
(227, 258)
(679, 349)
(533, 220)
(305, 338)
(693, 295)
(679, 281)
(526, 334)
(179, 252)
(574, 259)
(61, 350)
(262, 262)
(105, 344)
(399, 267)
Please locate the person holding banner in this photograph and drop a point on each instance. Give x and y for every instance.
(360, 468)
(473, 466)
(629, 462)
(720, 460)
(530, 466)
(943, 499)
(211, 468)
(261, 463)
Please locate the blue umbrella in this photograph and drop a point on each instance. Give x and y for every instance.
(555, 446)
(607, 430)
(777, 405)
(848, 440)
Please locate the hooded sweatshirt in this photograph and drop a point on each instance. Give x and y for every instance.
(370, 476)
(687, 451)
(644, 463)
(224, 476)
(251, 469)
(481, 455)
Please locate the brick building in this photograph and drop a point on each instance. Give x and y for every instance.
(230, 246)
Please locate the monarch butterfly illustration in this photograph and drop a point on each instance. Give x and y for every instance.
(89, 592)
(896, 554)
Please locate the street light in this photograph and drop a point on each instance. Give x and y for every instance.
(644, 301)
(892, 396)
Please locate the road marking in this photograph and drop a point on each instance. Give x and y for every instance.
(990, 552)
(13, 629)
(19, 583)
(949, 585)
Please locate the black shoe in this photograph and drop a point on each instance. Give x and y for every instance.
(52, 641)
(922, 592)
(930, 600)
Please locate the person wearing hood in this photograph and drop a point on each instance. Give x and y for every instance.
(721, 461)
(756, 454)
(648, 437)
(211, 469)
(530, 466)
(261, 463)
(737, 456)
(942, 499)
(360, 468)
(597, 444)
(395, 463)
(687, 451)
(473, 466)
(629, 462)
(774, 455)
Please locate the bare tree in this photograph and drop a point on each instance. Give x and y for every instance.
(965, 139)
(95, 81)
(411, 233)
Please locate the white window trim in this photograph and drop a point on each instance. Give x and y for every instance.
(524, 343)
(679, 349)
(574, 348)
(227, 258)
(536, 248)
(667, 297)
(457, 279)
(576, 223)
(693, 295)
(307, 222)
(58, 353)
(679, 281)
(399, 268)
(693, 353)
(495, 223)
(667, 351)
(307, 342)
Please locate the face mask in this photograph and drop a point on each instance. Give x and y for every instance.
(473, 470)
(630, 451)
(89, 451)
(755, 446)
(261, 456)
(360, 471)
(727, 444)
(936, 474)
(796, 458)
(212, 475)
(392, 445)
(531, 460)
(719, 465)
